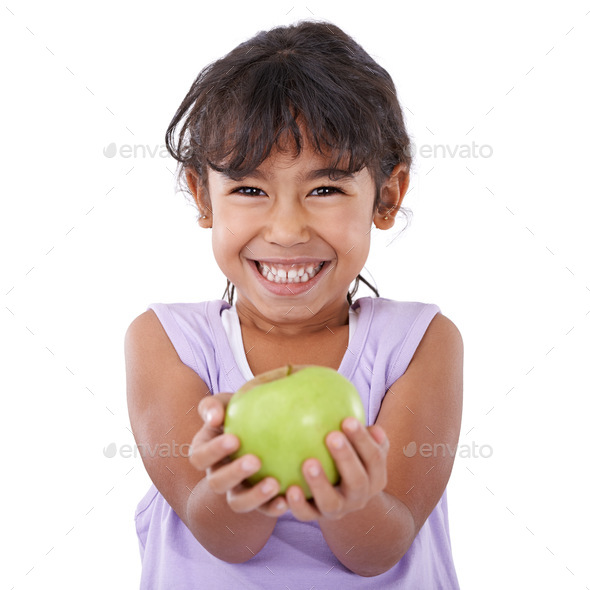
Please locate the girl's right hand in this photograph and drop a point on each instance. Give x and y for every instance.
(210, 452)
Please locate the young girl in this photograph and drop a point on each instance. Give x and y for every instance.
(293, 146)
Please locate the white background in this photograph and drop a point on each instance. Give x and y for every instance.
(500, 243)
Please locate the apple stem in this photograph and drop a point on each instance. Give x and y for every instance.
(289, 369)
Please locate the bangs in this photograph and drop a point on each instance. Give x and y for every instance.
(275, 103)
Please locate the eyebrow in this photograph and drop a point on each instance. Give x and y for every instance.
(331, 173)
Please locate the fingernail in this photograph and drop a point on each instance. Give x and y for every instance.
(352, 424)
(209, 415)
(337, 441)
(228, 443)
(280, 505)
(269, 486)
(249, 464)
(314, 470)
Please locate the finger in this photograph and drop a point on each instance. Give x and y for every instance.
(379, 435)
(366, 441)
(275, 507)
(205, 452)
(212, 411)
(328, 500)
(354, 479)
(246, 499)
(371, 453)
(225, 477)
(301, 508)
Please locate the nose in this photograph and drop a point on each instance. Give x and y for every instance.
(287, 224)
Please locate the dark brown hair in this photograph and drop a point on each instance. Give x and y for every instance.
(310, 78)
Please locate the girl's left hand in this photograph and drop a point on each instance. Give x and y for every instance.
(360, 455)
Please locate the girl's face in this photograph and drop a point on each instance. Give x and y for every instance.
(290, 239)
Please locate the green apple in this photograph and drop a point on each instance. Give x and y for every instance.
(283, 416)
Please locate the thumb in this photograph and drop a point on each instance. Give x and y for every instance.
(212, 409)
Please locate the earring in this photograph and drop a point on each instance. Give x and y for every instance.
(386, 217)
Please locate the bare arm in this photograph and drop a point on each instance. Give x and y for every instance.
(163, 397)
(423, 406)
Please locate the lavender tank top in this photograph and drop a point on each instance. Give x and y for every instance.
(386, 335)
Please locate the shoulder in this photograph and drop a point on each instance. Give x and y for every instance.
(160, 317)
(191, 333)
(143, 322)
(443, 336)
(440, 350)
(401, 325)
(144, 325)
(412, 311)
(146, 336)
(437, 364)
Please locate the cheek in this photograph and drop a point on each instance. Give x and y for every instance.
(351, 232)
(228, 240)
(352, 247)
(219, 253)
(223, 243)
(234, 222)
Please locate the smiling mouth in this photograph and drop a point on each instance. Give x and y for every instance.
(285, 274)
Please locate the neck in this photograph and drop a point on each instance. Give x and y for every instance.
(299, 325)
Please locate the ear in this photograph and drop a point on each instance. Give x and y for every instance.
(201, 198)
(391, 196)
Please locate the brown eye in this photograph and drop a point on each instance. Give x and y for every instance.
(325, 191)
(249, 191)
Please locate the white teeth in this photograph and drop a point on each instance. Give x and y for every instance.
(280, 275)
